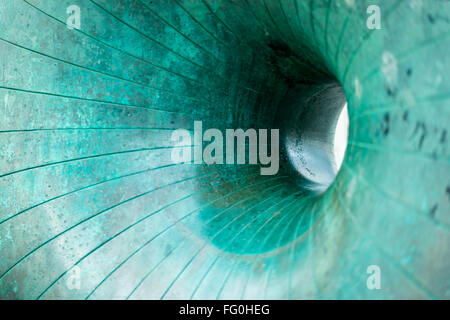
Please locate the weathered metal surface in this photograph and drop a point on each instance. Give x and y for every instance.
(92, 207)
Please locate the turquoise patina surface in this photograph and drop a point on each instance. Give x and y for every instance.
(91, 205)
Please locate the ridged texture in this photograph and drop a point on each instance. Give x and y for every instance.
(86, 178)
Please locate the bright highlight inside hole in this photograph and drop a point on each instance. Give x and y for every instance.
(341, 137)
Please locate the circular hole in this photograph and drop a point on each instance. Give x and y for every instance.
(313, 123)
(341, 137)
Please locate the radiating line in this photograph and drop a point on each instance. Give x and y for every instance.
(85, 129)
(153, 64)
(97, 214)
(85, 158)
(306, 64)
(122, 79)
(312, 256)
(201, 25)
(111, 238)
(250, 241)
(150, 271)
(162, 232)
(366, 38)
(340, 41)
(91, 100)
(175, 223)
(328, 10)
(231, 241)
(407, 53)
(411, 153)
(420, 102)
(396, 199)
(274, 228)
(292, 251)
(206, 242)
(311, 58)
(148, 37)
(117, 234)
(311, 21)
(388, 257)
(212, 71)
(179, 32)
(118, 49)
(84, 188)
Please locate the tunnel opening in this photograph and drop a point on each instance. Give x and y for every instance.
(312, 116)
(87, 182)
(311, 142)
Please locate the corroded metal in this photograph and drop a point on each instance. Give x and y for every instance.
(91, 205)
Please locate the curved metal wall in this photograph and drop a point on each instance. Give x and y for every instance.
(88, 189)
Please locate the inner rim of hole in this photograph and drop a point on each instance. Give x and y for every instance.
(313, 122)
